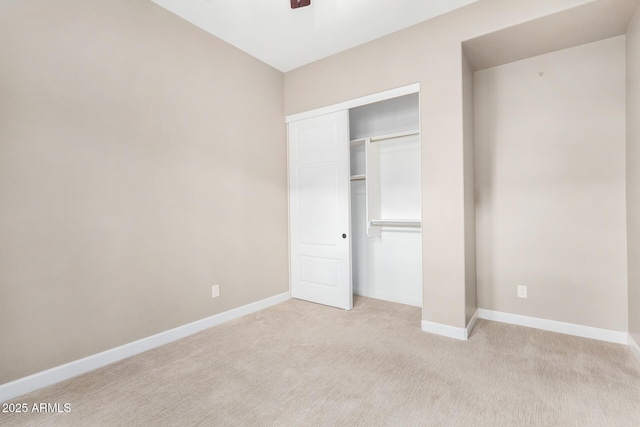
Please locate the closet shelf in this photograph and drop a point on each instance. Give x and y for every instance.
(394, 135)
(358, 177)
(411, 223)
(360, 141)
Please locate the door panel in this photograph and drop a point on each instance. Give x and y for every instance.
(320, 210)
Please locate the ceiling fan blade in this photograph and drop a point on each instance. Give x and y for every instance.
(299, 3)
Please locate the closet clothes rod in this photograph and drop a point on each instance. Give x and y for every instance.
(396, 223)
(394, 135)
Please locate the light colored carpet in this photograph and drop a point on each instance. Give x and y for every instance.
(299, 364)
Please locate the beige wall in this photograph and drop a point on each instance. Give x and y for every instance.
(141, 161)
(428, 53)
(471, 303)
(633, 174)
(550, 208)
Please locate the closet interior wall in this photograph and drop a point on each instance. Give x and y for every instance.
(386, 260)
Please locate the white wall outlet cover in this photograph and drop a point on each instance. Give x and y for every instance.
(215, 291)
(522, 291)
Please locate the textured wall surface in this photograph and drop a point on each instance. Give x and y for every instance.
(142, 160)
(633, 174)
(550, 208)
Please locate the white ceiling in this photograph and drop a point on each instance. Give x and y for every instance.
(288, 38)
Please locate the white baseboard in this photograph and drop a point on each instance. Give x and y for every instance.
(450, 331)
(555, 326)
(635, 348)
(416, 302)
(51, 376)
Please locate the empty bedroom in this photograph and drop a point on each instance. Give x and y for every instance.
(324, 212)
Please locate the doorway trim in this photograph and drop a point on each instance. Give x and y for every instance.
(357, 102)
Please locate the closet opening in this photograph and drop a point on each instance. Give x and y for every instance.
(355, 200)
(385, 166)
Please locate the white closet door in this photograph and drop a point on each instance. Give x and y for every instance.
(320, 210)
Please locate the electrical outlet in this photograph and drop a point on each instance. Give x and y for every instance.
(215, 291)
(522, 291)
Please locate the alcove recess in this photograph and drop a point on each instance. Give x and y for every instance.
(538, 116)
